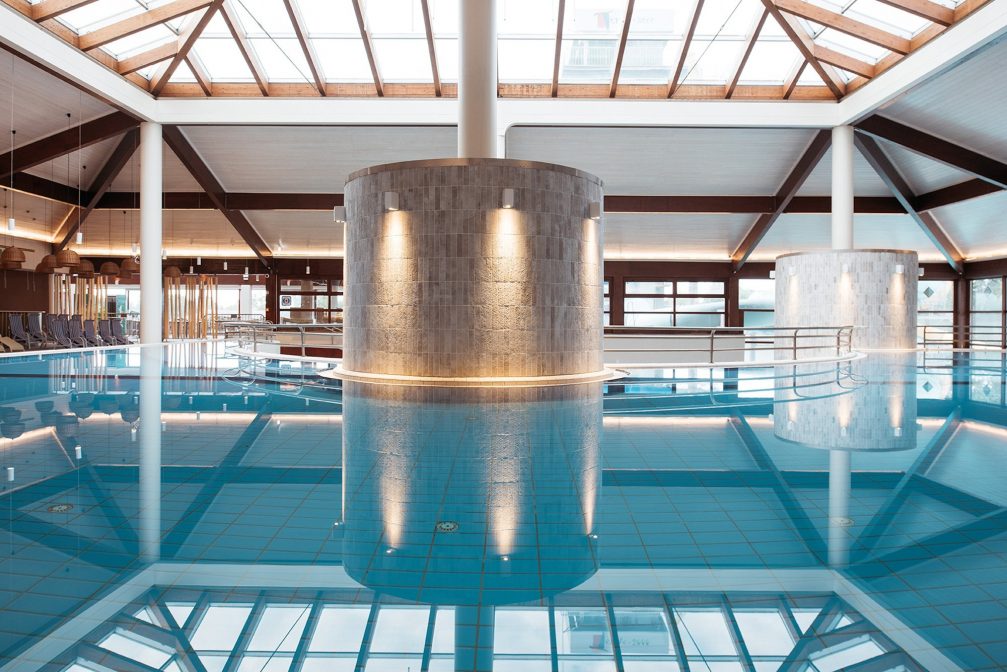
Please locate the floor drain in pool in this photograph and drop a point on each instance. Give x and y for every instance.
(446, 526)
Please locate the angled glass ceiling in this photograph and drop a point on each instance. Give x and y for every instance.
(667, 44)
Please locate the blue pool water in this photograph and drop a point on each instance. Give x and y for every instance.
(187, 510)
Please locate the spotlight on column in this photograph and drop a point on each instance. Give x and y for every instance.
(772, 274)
(919, 271)
(900, 268)
(164, 253)
(192, 270)
(792, 271)
(199, 261)
(391, 201)
(846, 268)
(225, 264)
(594, 210)
(244, 276)
(339, 214)
(507, 199)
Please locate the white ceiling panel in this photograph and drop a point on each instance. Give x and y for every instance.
(964, 105)
(41, 103)
(668, 161)
(312, 159)
(304, 233)
(805, 233)
(865, 181)
(37, 218)
(65, 168)
(977, 226)
(673, 236)
(187, 233)
(174, 174)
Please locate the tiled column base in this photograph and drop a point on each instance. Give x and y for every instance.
(454, 285)
(862, 288)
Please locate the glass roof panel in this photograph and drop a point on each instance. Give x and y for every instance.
(587, 60)
(649, 61)
(282, 59)
(447, 58)
(594, 18)
(402, 59)
(852, 46)
(394, 18)
(343, 59)
(525, 18)
(728, 18)
(444, 17)
(136, 43)
(216, 28)
(884, 16)
(182, 74)
(101, 13)
(263, 17)
(770, 62)
(222, 60)
(660, 18)
(712, 61)
(528, 60)
(329, 17)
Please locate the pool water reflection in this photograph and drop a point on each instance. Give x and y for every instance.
(186, 510)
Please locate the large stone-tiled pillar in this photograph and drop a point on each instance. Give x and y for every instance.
(871, 290)
(473, 268)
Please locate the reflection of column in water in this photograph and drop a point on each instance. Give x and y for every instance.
(839, 508)
(470, 497)
(150, 453)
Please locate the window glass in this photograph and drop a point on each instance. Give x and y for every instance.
(650, 305)
(699, 320)
(700, 305)
(700, 288)
(756, 294)
(650, 288)
(935, 295)
(131, 646)
(650, 320)
(987, 294)
(583, 632)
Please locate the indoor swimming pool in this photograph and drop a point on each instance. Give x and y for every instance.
(187, 510)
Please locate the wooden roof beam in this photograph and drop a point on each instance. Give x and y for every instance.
(50, 9)
(147, 58)
(135, 24)
(948, 153)
(676, 75)
(429, 30)
(186, 41)
(559, 48)
(750, 41)
(845, 24)
(102, 182)
(925, 9)
(614, 86)
(799, 35)
(215, 191)
(297, 21)
(900, 189)
(795, 76)
(841, 60)
(200, 73)
(800, 172)
(365, 35)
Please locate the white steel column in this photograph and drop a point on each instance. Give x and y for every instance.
(477, 80)
(842, 188)
(150, 233)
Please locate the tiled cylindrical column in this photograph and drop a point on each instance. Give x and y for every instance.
(872, 290)
(487, 268)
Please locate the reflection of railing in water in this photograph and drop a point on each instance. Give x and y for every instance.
(271, 338)
(964, 336)
(733, 344)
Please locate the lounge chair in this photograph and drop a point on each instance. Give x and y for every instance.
(58, 329)
(18, 333)
(90, 336)
(10, 345)
(117, 332)
(35, 329)
(75, 331)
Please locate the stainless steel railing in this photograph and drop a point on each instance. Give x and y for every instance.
(963, 336)
(266, 338)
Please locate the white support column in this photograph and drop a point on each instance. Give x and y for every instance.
(477, 81)
(842, 188)
(150, 233)
(150, 452)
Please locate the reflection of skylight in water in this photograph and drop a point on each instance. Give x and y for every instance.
(400, 630)
(279, 628)
(343, 60)
(764, 633)
(705, 633)
(220, 627)
(805, 617)
(522, 631)
(838, 657)
(339, 629)
(131, 646)
(180, 611)
(771, 61)
(222, 59)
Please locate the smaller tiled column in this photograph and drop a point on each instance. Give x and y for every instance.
(871, 290)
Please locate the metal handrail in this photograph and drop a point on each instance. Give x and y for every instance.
(796, 339)
(964, 335)
(251, 334)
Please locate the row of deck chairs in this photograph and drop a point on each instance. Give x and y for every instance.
(62, 331)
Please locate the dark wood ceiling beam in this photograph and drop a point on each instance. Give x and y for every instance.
(102, 182)
(559, 48)
(676, 74)
(64, 142)
(750, 41)
(365, 35)
(297, 21)
(955, 193)
(429, 30)
(245, 47)
(800, 172)
(197, 200)
(186, 41)
(802, 40)
(900, 189)
(215, 191)
(845, 24)
(948, 153)
(925, 9)
(50, 9)
(138, 22)
(623, 39)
